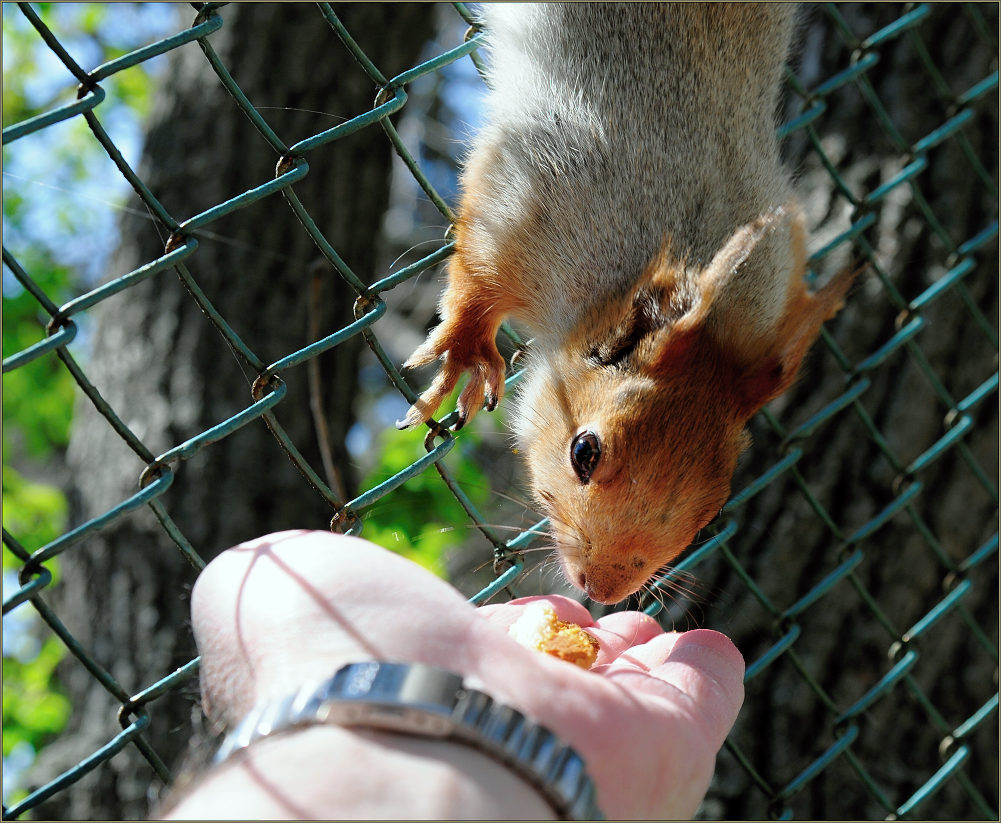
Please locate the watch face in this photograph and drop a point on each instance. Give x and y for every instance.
(392, 717)
(410, 683)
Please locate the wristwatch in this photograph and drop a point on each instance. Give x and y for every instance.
(417, 699)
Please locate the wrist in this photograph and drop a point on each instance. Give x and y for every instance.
(328, 771)
(427, 701)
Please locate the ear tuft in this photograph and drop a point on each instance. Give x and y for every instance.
(805, 313)
(753, 311)
(745, 289)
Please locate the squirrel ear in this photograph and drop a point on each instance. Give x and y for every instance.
(775, 367)
(746, 288)
(754, 310)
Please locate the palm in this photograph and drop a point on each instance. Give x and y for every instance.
(648, 718)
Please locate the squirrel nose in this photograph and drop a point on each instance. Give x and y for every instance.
(597, 586)
(598, 590)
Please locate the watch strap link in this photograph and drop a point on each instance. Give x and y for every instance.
(425, 700)
(532, 750)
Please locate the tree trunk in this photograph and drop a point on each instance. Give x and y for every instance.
(785, 546)
(169, 374)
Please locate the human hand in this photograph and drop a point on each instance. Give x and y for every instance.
(648, 718)
(650, 741)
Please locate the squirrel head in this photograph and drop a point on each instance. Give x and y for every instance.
(632, 431)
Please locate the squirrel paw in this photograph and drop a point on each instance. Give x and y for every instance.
(459, 355)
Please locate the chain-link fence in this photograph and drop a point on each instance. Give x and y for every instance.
(880, 522)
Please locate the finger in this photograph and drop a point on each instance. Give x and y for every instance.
(621, 631)
(702, 664)
(567, 610)
(615, 633)
(647, 655)
(430, 350)
(421, 357)
(505, 615)
(709, 651)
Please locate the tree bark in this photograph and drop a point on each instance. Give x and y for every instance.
(169, 374)
(785, 547)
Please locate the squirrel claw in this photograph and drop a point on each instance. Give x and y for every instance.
(427, 404)
(414, 417)
(486, 368)
(484, 390)
(471, 399)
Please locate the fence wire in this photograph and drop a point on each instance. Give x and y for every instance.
(962, 258)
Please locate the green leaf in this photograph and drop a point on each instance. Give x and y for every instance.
(33, 710)
(35, 513)
(423, 521)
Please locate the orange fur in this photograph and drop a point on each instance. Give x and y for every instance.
(482, 290)
(672, 427)
(659, 350)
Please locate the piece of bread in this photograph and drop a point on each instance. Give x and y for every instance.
(539, 628)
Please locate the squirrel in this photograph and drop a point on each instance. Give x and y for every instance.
(625, 204)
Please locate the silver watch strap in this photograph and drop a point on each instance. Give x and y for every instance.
(424, 700)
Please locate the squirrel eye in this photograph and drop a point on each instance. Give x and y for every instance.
(585, 452)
